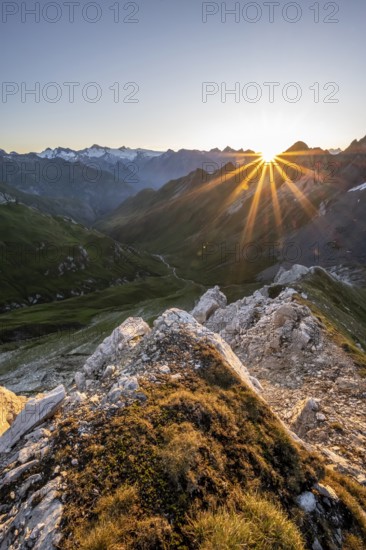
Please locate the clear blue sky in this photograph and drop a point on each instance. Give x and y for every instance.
(170, 53)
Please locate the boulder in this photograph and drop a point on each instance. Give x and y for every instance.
(211, 301)
(284, 313)
(304, 416)
(307, 502)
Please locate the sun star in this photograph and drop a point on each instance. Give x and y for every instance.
(268, 155)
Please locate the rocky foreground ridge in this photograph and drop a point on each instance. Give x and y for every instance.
(235, 426)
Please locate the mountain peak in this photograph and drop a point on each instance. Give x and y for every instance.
(96, 146)
(298, 147)
(357, 145)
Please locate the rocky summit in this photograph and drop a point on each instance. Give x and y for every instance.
(233, 426)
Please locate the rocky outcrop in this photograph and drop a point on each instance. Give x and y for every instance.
(10, 406)
(171, 349)
(297, 271)
(285, 323)
(139, 352)
(289, 351)
(212, 300)
(35, 525)
(178, 322)
(306, 416)
(35, 412)
(124, 336)
(34, 510)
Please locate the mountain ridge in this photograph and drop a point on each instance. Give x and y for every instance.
(214, 466)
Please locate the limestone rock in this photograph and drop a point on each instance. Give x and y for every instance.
(326, 491)
(14, 475)
(31, 480)
(164, 369)
(347, 384)
(287, 312)
(36, 435)
(305, 416)
(108, 372)
(316, 545)
(123, 337)
(256, 383)
(80, 380)
(307, 502)
(131, 384)
(31, 450)
(292, 275)
(114, 395)
(212, 300)
(34, 413)
(180, 322)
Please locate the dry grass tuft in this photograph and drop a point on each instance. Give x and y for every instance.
(254, 523)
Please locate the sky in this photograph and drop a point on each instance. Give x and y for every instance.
(157, 74)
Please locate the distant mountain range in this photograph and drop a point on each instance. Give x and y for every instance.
(97, 179)
(141, 168)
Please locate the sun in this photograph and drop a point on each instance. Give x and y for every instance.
(268, 155)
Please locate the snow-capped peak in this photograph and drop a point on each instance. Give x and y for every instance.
(97, 151)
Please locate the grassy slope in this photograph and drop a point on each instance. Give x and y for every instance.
(78, 312)
(41, 254)
(73, 208)
(202, 464)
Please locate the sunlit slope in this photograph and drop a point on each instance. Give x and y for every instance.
(228, 226)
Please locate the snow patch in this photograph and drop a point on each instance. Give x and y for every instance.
(361, 187)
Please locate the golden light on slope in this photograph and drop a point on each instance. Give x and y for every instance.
(274, 168)
(261, 183)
